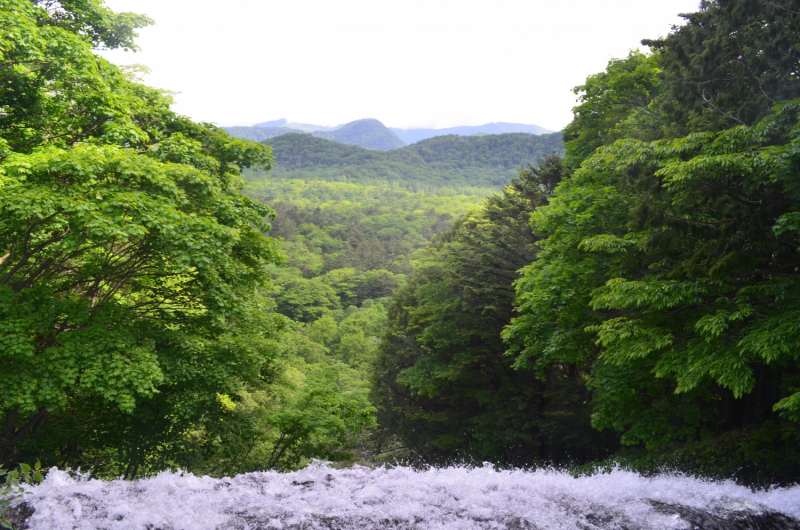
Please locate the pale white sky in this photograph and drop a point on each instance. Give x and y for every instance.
(410, 63)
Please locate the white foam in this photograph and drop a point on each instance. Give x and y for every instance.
(450, 498)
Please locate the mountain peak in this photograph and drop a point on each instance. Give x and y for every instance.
(274, 123)
(369, 133)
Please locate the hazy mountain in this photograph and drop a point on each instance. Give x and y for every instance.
(368, 133)
(372, 134)
(411, 136)
(274, 123)
(305, 127)
(258, 133)
(452, 161)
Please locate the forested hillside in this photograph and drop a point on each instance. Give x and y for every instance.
(654, 310)
(445, 161)
(445, 386)
(333, 229)
(349, 247)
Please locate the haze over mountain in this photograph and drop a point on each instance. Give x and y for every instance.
(368, 133)
(372, 134)
(258, 134)
(411, 136)
(306, 127)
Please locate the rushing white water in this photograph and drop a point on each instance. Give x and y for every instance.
(320, 497)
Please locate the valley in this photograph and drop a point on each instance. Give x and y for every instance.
(355, 223)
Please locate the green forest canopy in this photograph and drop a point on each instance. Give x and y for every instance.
(659, 302)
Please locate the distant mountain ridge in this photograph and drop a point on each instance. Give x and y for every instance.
(372, 134)
(258, 134)
(453, 161)
(411, 136)
(368, 133)
(305, 127)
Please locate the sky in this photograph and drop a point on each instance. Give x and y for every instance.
(409, 63)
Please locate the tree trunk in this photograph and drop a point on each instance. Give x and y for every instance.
(12, 435)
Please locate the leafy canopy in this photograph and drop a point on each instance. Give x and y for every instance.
(670, 261)
(130, 264)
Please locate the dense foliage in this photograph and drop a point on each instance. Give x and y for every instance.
(661, 287)
(669, 268)
(445, 388)
(333, 225)
(349, 247)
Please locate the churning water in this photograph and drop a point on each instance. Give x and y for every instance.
(320, 497)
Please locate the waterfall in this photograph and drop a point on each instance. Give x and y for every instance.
(320, 497)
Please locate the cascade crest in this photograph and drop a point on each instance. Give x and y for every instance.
(320, 497)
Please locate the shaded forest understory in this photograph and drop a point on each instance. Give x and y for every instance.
(171, 296)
